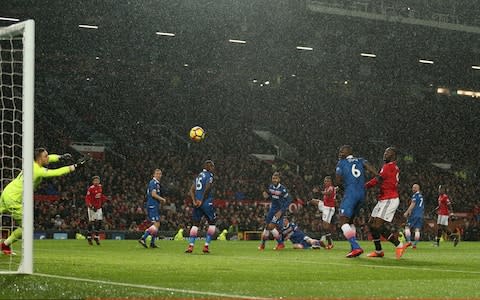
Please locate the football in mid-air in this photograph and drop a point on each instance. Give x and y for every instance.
(197, 134)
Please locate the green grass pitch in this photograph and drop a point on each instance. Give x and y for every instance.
(70, 269)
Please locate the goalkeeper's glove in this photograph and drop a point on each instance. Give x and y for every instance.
(81, 162)
(66, 156)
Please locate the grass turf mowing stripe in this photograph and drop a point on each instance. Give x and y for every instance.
(360, 265)
(141, 286)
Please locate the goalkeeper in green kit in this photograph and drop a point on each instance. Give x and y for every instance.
(11, 197)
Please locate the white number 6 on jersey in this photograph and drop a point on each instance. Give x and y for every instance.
(356, 172)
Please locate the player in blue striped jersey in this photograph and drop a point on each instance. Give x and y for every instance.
(201, 193)
(350, 172)
(281, 199)
(414, 215)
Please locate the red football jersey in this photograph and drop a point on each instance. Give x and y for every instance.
(443, 203)
(95, 196)
(329, 196)
(389, 187)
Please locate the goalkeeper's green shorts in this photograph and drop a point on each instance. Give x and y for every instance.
(11, 207)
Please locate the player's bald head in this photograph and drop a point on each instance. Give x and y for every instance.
(415, 187)
(390, 154)
(345, 151)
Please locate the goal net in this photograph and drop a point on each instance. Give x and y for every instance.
(16, 138)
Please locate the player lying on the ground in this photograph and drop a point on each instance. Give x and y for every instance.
(299, 239)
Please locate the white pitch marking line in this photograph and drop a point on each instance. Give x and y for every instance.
(158, 288)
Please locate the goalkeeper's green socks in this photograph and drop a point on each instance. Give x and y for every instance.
(16, 235)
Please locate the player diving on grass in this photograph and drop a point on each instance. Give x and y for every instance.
(154, 197)
(350, 173)
(281, 199)
(290, 231)
(12, 196)
(201, 193)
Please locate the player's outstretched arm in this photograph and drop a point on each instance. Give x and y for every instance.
(53, 158)
(370, 168)
(375, 180)
(46, 173)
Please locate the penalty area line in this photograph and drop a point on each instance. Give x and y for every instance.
(157, 288)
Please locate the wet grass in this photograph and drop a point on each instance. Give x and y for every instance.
(70, 269)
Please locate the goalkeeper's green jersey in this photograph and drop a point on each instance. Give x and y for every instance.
(13, 192)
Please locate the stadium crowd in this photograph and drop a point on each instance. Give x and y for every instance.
(240, 179)
(312, 114)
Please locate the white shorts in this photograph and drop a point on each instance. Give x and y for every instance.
(442, 220)
(95, 215)
(385, 209)
(327, 212)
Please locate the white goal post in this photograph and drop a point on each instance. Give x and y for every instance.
(17, 74)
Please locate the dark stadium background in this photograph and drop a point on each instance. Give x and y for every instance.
(139, 93)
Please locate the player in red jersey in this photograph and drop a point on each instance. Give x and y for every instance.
(94, 201)
(387, 204)
(326, 207)
(444, 211)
